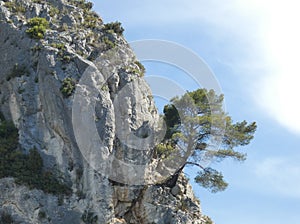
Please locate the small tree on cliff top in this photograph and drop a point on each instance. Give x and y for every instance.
(197, 124)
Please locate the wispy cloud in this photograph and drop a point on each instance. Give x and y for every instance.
(279, 176)
(266, 31)
(279, 34)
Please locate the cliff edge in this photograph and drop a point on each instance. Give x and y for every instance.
(47, 47)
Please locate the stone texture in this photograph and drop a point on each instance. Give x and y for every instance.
(31, 75)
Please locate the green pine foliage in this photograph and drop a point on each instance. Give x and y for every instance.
(163, 150)
(192, 121)
(211, 179)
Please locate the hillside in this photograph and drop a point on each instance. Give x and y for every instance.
(67, 77)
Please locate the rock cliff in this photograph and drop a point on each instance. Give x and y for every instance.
(48, 49)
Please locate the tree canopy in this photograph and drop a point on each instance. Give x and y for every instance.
(198, 126)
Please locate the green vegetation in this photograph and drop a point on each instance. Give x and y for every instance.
(184, 204)
(68, 87)
(107, 43)
(86, 6)
(141, 68)
(64, 27)
(38, 27)
(15, 6)
(194, 121)
(66, 58)
(62, 53)
(59, 46)
(137, 69)
(27, 169)
(90, 21)
(89, 217)
(105, 88)
(36, 48)
(207, 220)
(115, 27)
(163, 150)
(53, 11)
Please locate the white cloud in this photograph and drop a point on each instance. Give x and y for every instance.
(279, 88)
(279, 176)
(268, 30)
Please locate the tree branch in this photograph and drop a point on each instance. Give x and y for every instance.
(196, 164)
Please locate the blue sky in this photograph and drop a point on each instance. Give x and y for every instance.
(253, 49)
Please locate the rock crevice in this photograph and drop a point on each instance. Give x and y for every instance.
(32, 77)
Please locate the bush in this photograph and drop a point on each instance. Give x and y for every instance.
(53, 11)
(66, 58)
(59, 46)
(86, 6)
(62, 53)
(141, 66)
(90, 21)
(207, 220)
(10, 5)
(27, 169)
(15, 6)
(142, 69)
(38, 27)
(137, 69)
(107, 43)
(68, 87)
(116, 27)
(9, 137)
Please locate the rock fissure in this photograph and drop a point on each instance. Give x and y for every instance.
(35, 100)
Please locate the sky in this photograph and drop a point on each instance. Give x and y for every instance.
(253, 48)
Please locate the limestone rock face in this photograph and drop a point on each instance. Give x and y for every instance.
(32, 77)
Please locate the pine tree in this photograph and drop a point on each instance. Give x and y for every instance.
(197, 125)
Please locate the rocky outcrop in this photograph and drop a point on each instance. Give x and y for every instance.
(38, 81)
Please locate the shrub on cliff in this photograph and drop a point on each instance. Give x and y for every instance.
(115, 27)
(38, 27)
(68, 87)
(27, 169)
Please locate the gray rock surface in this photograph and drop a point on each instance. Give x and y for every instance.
(31, 76)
